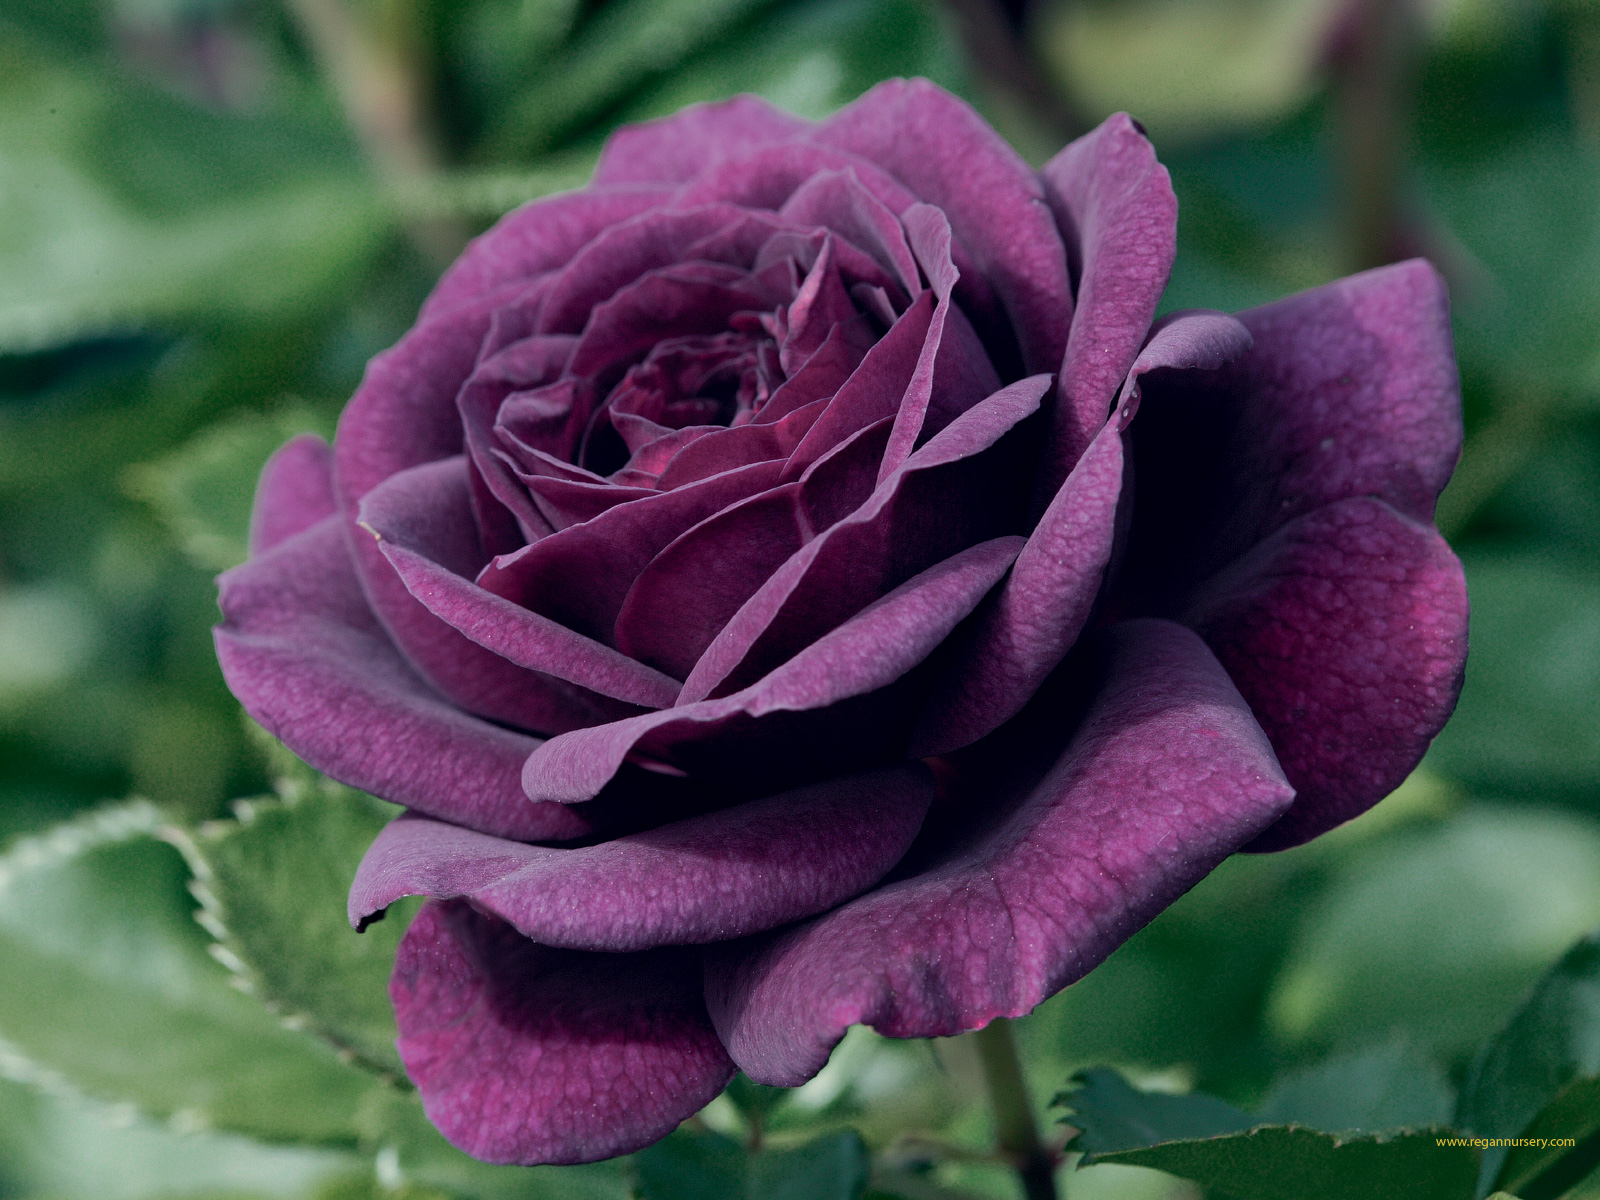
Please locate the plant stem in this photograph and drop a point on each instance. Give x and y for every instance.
(384, 97)
(1372, 98)
(1017, 1134)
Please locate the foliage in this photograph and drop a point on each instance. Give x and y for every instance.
(200, 248)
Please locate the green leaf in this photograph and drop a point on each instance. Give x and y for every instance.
(689, 1165)
(626, 43)
(122, 207)
(203, 491)
(273, 885)
(1529, 717)
(61, 1145)
(109, 988)
(1435, 932)
(1202, 1139)
(1112, 1115)
(1380, 1087)
(811, 58)
(1539, 1077)
(1288, 1162)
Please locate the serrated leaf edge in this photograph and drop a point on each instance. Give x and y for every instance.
(211, 915)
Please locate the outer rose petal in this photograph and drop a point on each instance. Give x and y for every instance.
(524, 1054)
(1167, 776)
(948, 156)
(1350, 390)
(677, 148)
(304, 655)
(1347, 633)
(799, 719)
(295, 492)
(720, 875)
(1027, 626)
(1118, 215)
(535, 238)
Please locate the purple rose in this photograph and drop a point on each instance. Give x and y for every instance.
(752, 577)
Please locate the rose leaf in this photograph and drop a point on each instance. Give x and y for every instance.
(1539, 1079)
(1204, 1140)
(273, 883)
(109, 991)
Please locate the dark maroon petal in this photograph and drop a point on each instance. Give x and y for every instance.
(537, 237)
(677, 148)
(1116, 210)
(424, 542)
(295, 492)
(427, 510)
(948, 156)
(1346, 630)
(725, 449)
(720, 875)
(1166, 776)
(304, 655)
(689, 591)
(526, 1054)
(564, 502)
(620, 255)
(958, 489)
(866, 654)
(953, 371)
(822, 375)
(1350, 390)
(839, 201)
(765, 178)
(581, 575)
(873, 391)
(1025, 629)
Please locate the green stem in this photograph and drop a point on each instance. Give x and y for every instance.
(1017, 1134)
(1372, 101)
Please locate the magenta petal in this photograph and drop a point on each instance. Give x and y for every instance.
(1350, 390)
(946, 154)
(709, 878)
(867, 653)
(526, 1054)
(1347, 633)
(690, 590)
(535, 238)
(1026, 628)
(1116, 209)
(304, 655)
(581, 575)
(428, 510)
(1168, 774)
(956, 490)
(295, 492)
(677, 148)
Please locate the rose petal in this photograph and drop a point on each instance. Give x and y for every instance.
(780, 727)
(581, 575)
(677, 148)
(947, 155)
(421, 544)
(1118, 216)
(688, 592)
(304, 655)
(1346, 630)
(1350, 390)
(1166, 776)
(525, 1054)
(1026, 627)
(537, 237)
(295, 492)
(958, 489)
(428, 510)
(839, 201)
(720, 875)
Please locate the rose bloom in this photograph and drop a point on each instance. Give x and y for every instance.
(791, 582)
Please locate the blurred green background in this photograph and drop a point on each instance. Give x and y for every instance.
(212, 212)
